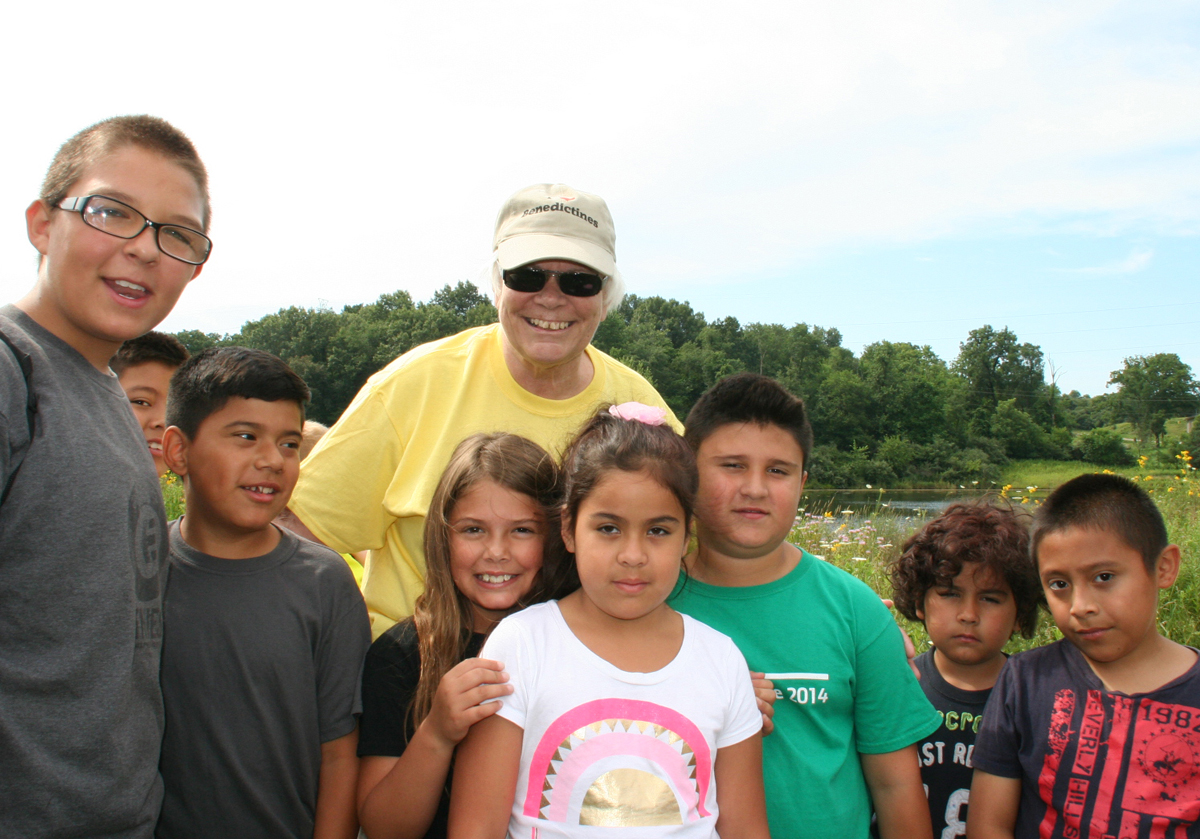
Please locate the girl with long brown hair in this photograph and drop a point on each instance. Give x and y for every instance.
(492, 546)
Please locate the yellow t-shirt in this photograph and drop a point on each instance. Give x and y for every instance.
(368, 483)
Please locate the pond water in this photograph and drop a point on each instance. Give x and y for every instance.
(856, 505)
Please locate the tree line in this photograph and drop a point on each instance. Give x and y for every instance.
(894, 414)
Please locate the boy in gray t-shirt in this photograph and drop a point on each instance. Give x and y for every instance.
(264, 632)
(82, 529)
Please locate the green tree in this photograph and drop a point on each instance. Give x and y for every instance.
(196, 341)
(1018, 433)
(1152, 389)
(910, 386)
(996, 368)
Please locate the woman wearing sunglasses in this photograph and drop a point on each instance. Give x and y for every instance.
(368, 484)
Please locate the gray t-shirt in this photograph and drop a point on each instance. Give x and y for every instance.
(82, 551)
(261, 665)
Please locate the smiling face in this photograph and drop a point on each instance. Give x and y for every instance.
(970, 621)
(239, 470)
(94, 290)
(547, 329)
(497, 536)
(1101, 595)
(145, 386)
(628, 537)
(751, 479)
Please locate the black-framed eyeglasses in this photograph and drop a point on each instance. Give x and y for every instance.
(116, 218)
(572, 283)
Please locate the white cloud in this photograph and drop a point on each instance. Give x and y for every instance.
(363, 147)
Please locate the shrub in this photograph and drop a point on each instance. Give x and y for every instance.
(1105, 447)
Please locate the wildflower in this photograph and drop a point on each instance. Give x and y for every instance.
(868, 486)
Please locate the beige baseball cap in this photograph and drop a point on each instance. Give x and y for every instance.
(554, 221)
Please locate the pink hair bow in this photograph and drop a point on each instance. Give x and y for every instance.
(648, 414)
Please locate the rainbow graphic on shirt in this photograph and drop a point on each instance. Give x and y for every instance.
(620, 763)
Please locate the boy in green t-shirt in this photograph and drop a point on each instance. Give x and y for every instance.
(852, 712)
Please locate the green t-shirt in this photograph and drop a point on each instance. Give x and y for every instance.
(844, 687)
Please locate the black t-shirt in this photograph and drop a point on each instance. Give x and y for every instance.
(945, 755)
(1093, 762)
(389, 683)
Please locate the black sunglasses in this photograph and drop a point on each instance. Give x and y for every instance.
(571, 283)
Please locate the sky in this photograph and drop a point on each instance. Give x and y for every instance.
(897, 171)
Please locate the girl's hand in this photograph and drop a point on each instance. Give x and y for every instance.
(457, 704)
(764, 694)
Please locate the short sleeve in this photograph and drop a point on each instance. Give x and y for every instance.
(891, 711)
(744, 718)
(998, 744)
(390, 677)
(340, 653)
(14, 423)
(344, 481)
(509, 644)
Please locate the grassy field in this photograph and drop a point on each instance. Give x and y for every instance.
(865, 547)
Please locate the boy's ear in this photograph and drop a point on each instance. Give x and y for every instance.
(175, 450)
(1166, 569)
(37, 225)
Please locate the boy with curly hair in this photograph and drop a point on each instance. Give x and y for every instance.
(966, 575)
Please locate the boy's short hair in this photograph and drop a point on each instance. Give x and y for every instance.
(208, 380)
(748, 398)
(982, 534)
(1104, 502)
(95, 141)
(153, 346)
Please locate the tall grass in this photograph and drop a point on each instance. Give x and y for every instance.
(865, 543)
(172, 488)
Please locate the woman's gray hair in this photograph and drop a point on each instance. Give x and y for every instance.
(612, 293)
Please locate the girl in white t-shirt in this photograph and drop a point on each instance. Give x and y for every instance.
(624, 713)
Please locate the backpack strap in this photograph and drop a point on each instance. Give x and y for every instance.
(26, 365)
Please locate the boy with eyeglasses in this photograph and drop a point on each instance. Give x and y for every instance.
(81, 513)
